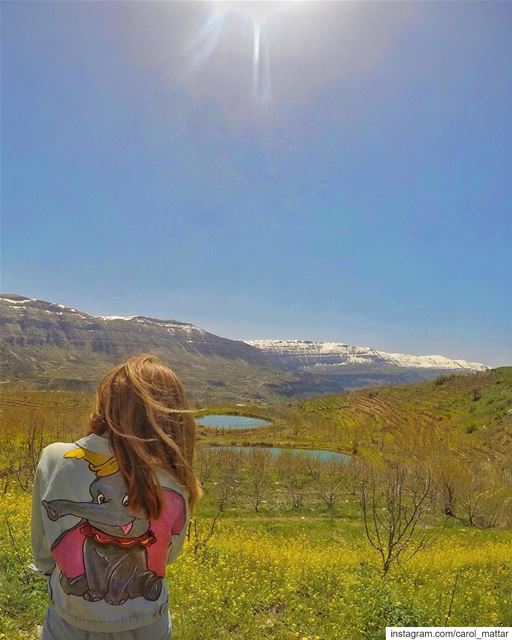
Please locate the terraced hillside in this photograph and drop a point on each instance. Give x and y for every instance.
(462, 412)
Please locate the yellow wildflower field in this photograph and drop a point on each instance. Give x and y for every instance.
(285, 577)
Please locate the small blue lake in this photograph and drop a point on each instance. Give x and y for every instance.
(231, 422)
(276, 451)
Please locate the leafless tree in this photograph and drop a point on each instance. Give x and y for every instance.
(484, 495)
(228, 465)
(294, 478)
(201, 531)
(226, 468)
(396, 505)
(23, 464)
(449, 496)
(329, 479)
(205, 463)
(258, 462)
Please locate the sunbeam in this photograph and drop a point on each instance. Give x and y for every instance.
(258, 15)
(204, 43)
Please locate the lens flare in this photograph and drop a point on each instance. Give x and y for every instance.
(258, 11)
(258, 15)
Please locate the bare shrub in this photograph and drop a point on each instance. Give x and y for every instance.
(396, 504)
(484, 495)
(259, 464)
(225, 465)
(293, 475)
(329, 478)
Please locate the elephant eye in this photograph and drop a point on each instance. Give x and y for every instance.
(101, 498)
(125, 500)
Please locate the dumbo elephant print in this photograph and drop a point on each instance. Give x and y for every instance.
(110, 554)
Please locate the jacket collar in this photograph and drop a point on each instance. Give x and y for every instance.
(96, 443)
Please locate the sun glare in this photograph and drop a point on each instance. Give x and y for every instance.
(258, 10)
(258, 15)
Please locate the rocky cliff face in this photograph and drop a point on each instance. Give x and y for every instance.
(306, 354)
(37, 323)
(52, 345)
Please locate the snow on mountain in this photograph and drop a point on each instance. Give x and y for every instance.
(21, 303)
(435, 361)
(307, 353)
(169, 325)
(116, 317)
(38, 322)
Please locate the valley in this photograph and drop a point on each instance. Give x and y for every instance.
(282, 464)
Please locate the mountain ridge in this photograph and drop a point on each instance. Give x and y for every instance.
(50, 345)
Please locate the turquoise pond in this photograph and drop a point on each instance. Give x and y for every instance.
(223, 421)
(276, 451)
(231, 422)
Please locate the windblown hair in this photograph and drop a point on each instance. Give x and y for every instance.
(142, 408)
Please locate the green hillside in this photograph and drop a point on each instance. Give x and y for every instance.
(472, 410)
(467, 413)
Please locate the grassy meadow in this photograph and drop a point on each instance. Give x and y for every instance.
(278, 549)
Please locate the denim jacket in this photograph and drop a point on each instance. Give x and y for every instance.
(105, 567)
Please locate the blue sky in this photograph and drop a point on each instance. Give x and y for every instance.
(354, 187)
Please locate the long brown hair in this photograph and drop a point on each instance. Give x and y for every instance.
(141, 406)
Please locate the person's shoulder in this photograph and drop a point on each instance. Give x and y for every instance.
(168, 481)
(56, 450)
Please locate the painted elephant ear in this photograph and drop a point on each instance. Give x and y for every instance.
(170, 523)
(68, 553)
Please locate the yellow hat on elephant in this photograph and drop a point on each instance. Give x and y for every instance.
(99, 463)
